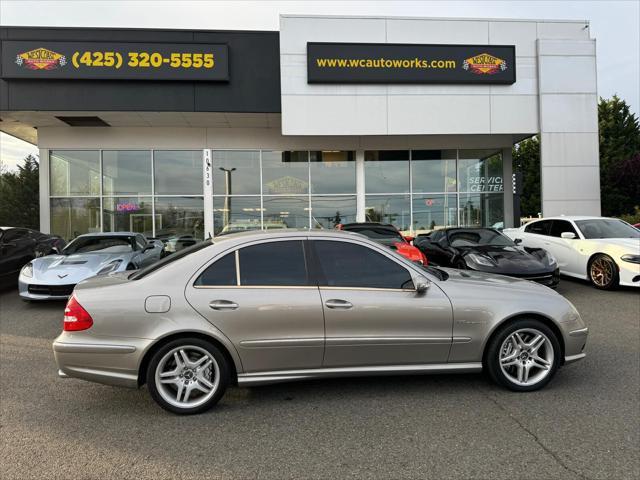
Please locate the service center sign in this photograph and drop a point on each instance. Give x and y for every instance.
(115, 61)
(410, 63)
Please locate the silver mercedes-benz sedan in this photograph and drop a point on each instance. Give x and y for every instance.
(255, 308)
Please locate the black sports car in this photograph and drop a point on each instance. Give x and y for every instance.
(18, 246)
(488, 250)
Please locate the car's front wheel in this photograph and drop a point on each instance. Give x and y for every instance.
(523, 356)
(187, 376)
(603, 272)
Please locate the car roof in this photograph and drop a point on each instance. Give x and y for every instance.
(109, 234)
(369, 225)
(572, 217)
(283, 232)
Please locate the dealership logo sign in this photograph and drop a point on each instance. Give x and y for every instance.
(484, 64)
(41, 59)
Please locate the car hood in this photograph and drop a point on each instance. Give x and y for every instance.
(512, 259)
(475, 279)
(68, 269)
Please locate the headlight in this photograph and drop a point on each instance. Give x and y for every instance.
(631, 258)
(552, 259)
(480, 260)
(27, 270)
(110, 267)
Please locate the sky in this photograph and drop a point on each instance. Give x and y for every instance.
(614, 24)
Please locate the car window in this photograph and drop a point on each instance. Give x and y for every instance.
(174, 257)
(140, 241)
(220, 273)
(274, 264)
(540, 228)
(607, 228)
(560, 226)
(99, 245)
(345, 264)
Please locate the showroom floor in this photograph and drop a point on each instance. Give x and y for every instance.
(585, 424)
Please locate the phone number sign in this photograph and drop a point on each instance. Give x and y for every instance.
(115, 61)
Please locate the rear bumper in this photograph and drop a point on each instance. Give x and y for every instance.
(105, 362)
(575, 343)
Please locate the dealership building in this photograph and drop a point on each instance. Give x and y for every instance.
(329, 120)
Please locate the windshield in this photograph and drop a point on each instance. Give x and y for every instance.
(99, 245)
(606, 228)
(170, 259)
(478, 237)
(385, 236)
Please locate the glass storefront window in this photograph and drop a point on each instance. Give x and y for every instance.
(74, 172)
(432, 212)
(285, 173)
(129, 214)
(327, 212)
(386, 171)
(181, 220)
(126, 172)
(285, 212)
(177, 172)
(393, 209)
(235, 214)
(333, 172)
(433, 171)
(480, 171)
(71, 217)
(236, 172)
(481, 210)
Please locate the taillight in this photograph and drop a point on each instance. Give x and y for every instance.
(75, 317)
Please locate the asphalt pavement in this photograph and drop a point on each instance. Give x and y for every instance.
(584, 425)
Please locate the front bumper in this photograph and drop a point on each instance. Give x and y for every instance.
(629, 274)
(110, 361)
(38, 291)
(575, 343)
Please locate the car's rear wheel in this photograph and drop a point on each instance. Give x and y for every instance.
(603, 272)
(523, 356)
(187, 376)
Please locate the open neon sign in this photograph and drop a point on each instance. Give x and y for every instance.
(127, 207)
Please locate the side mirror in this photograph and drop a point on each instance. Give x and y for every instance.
(568, 235)
(408, 238)
(517, 241)
(422, 285)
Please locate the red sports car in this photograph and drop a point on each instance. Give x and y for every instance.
(389, 236)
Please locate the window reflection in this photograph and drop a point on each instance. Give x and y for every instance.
(286, 212)
(432, 212)
(236, 172)
(481, 210)
(235, 214)
(393, 209)
(71, 217)
(181, 220)
(126, 172)
(74, 172)
(285, 173)
(386, 171)
(177, 172)
(333, 171)
(480, 171)
(327, 212)
(433, 170)
(129, 214)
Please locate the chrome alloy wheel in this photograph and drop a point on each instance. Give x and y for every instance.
(602, 271)
(526, 357)
(187, 376)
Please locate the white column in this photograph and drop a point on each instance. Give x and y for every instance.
(207, 189)
(507, 186)
(360, 201)
(45, 208)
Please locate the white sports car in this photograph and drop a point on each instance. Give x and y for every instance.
(605, 251)
(55, 276)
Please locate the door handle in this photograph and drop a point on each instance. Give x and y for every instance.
(338, 304)
(223, 305)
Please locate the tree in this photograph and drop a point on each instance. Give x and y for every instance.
(19, 199)
(619, 157)
(526, 159)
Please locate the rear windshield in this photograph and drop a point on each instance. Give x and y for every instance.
(143, 272)
(382, 235)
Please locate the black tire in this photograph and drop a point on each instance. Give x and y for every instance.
(461, 264)
(491, 362)
(606, 262)
(187, 342)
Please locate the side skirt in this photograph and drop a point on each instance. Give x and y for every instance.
(267, 378)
